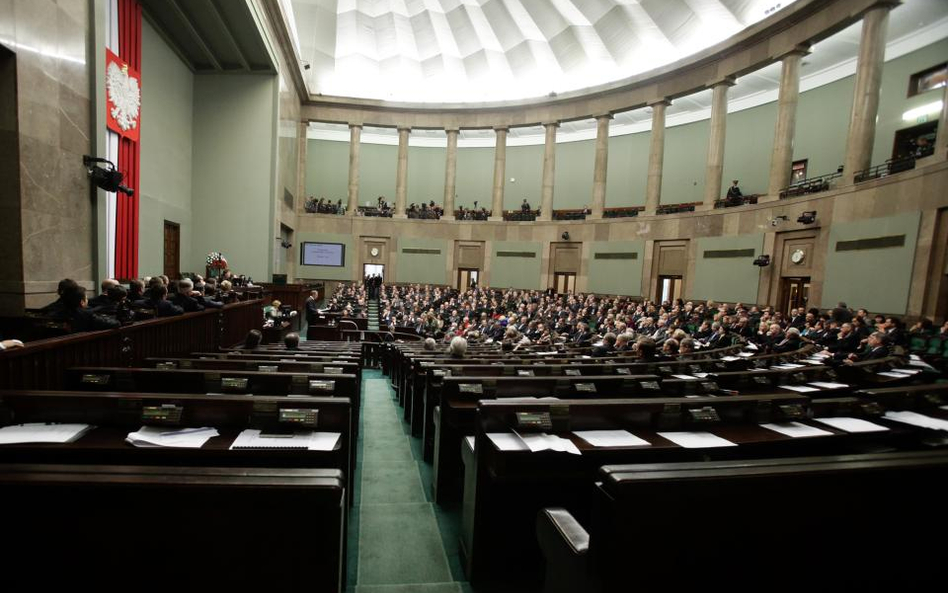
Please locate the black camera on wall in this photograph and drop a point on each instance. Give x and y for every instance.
(109, 179)
(807, 217)
(762, 260)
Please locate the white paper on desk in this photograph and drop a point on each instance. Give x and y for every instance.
(892, 375)
(751, 346)
(701, 375)
(799, 388)
(828, 385)
(852, 424)
(696, 440)
(323, 441)
(908, 372)
(730, 358)
(252, 438)
(184, 438)
(921, 363)
(745, 354)
(507, 441)
(916, 419)
(685, 377)
(811, 362)
(796, 429)
(788, 365)
(611, 438)
(540, 441)
(40, 432)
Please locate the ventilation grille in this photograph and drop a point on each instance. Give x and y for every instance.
(422, 251)
(528, 254)
(874, 243)
(725, 253)
(617, 255)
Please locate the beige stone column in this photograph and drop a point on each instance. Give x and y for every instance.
(781, 158)
(862, 120)
(355, 137)
(716, 142)
(601, 165)
(656, 156)
(450, 173)
(549, 171)
(500, 171)
(401, 175)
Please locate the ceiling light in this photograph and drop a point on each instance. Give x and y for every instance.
(929, 109)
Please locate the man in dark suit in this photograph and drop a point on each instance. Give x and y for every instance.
(156, 300)
(877, 347)
(183, 298)
(103, 298)
(80, 317)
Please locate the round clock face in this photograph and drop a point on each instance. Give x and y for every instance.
(797, 256)
(374, 251)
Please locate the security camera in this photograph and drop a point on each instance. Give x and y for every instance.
(285, 244)
(762, 260)
(807, 217)
(109, 179)
(565, 236)
(777, 219)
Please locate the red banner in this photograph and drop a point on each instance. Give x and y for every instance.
(123, 92)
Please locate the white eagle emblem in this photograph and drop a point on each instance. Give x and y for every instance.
(125, 95)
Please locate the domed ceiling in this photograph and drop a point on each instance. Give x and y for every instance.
(463, 51)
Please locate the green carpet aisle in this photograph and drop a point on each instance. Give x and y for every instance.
(399, 541)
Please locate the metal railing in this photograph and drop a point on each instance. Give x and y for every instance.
(625, 212)
(890, 167)
(734, 202)
(810, 185)
(676, 208)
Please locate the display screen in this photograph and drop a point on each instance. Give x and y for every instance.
(323, 254)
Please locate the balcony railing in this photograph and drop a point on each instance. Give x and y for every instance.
(625, 212)
(471, 214)
(676, 208)
(521, 215)
(810, 185)
(373, 211)
(577, 214)
(890, 167)
(734, 202)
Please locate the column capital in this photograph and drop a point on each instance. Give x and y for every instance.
(404, 129)
(887, 4)
(547, 124)
(800, 50)
(455, 129)
(729, 80)
(607, 115)
(659, 101)
(503, 129)
(352, 125)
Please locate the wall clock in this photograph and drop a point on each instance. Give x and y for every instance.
(798, 256)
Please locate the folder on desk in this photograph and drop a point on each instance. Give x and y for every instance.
(304, 440)
(41, 432)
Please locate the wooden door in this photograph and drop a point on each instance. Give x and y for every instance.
(172, 250)
(564, 282)
(796, 294)
(467, 278)
(669, 288)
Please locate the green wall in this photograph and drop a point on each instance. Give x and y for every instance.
(574, 174)
(515, 272)
(748, 147)
(475, 177)
(323, 272)
(727, 279)
(423, 268)
(165, 192)
(686, 154)
(233, 171)
(378, 165)
(627, 172)
(425, 174)
(874, 279)
(525, 165)
(822, 125)
(327, 170)
(616, 276)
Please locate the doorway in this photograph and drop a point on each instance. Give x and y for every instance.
(669, 288)
(172, 267)
(468, 278)
(564, 282)
(796, 293)
(373, 270)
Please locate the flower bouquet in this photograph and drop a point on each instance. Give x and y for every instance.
(216, 264)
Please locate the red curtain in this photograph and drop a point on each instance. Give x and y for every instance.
(126, 223)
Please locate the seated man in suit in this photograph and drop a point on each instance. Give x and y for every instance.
(292, 341)
(57, 307)
(790, 342)
(80, 317)
(253, 339)
(103, 298)
(525, 207)
(608, 345)
(183, 297)
(156, 300)
(877, 347)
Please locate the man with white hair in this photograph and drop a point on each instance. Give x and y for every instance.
(183, 297)
(103, 298)
(458, 347)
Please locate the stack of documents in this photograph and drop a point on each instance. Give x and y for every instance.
(796, 429)
(916, 419)
(611, 438)
(787, 366)
(184, 438)
(696, 440)
(306, 440)
(852, 424)
(533, 442)
(799, 388)
(828, 385)
(41, 432)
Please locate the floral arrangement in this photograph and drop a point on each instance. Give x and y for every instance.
(215, 259)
